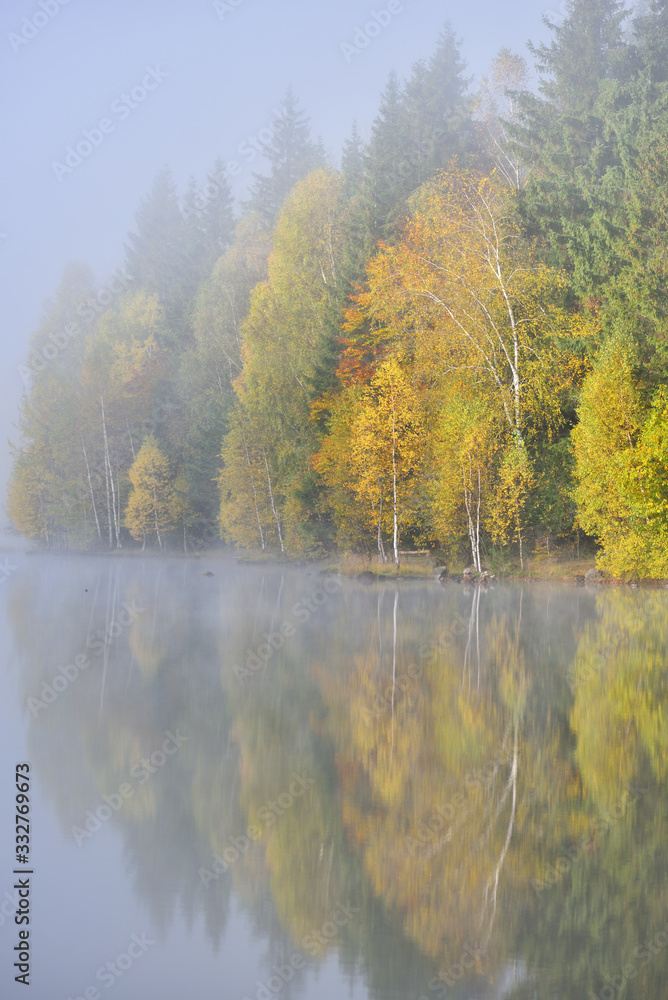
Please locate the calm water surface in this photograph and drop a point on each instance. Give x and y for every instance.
(269, 782)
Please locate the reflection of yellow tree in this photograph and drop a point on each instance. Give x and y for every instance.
(621, 690)
(432, 782)
(298, 840)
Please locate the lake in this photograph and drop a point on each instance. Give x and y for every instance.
(248, 782)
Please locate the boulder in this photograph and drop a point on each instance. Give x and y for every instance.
(593, 576)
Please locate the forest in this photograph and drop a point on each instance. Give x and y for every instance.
(460, 744)
(454, 340)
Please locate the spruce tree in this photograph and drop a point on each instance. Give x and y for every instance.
(563, 134)
(355, 217)
(217, 214)
(447, 113)
(388, 163)
(157, 255)
(291, 154)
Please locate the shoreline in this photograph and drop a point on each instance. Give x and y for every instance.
(567, 572)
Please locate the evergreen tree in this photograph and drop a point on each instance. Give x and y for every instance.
(217, 214)
(58, 343)
(291, 154)
(447, 112)
(420, 127)
(207, 372)
(563, 134)
(650, 34)
(156, 255)
(196, 261)
(358, 244)
(388, 163)
(352, 161)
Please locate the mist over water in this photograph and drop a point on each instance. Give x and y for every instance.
(278, 780)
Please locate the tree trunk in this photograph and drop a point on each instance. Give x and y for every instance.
(473, 528)
(132, 447)
(155, 516)
(117, 511)
(252, 482)
(381, 547)
(395, 518)
(90, 486)
(273, 505)
(106, 473)
(477, 528)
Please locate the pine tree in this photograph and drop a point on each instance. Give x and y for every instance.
(157, 254)
(419, 128)
(352, 161)
(358, 242)
(217, 217)
(388, 163)
(58, 343)
(448, 108)
(650, 35)
(291, 154)
(563, 134)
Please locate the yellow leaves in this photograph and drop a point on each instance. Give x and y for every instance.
(149, 508)
(386, 443)
(621, 686)
(469, 434)
(307, 240)
(135, 360)
(138, 317)
(621, 452)
(515, 479)
(463, 291)
(26, 493)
